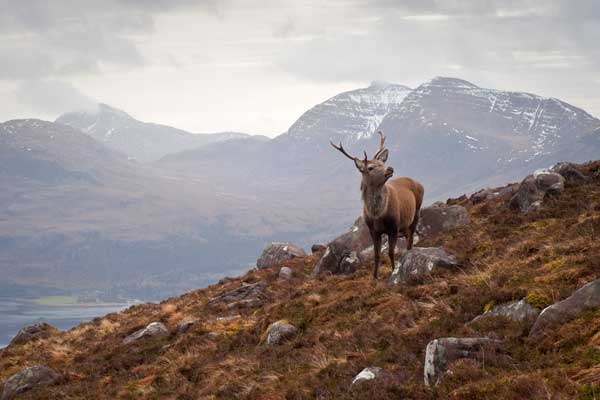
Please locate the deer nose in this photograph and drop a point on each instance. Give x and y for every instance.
(389, 171)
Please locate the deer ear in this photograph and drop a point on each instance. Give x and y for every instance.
(383, 156)
(359, 164)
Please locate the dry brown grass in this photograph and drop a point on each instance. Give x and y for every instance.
(349, 322)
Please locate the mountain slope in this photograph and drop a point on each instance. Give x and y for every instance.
(141, 140)
(347, 323)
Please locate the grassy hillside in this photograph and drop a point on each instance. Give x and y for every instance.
(347, 323)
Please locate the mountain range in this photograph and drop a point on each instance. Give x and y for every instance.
(98, 199)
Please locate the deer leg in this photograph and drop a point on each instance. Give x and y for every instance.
(392, 239)
(377, 251)
(412, 228)
(409, 238)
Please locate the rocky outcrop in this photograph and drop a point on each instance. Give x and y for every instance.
(27, 379)
(285, 273)
(519, 311)
(368, 374)
(570, 172)
(279, 331)
(420, 261)
(276, 253)
(154, 329)
(341, 254)
(441, 352)
(584, 299)
(318, 248)
(247, 291)
(535, 188)
(440, 217)
(33, 332)
(491, 194)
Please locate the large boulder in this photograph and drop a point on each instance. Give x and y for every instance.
(368, 254)
(420, 261)
(276, 253)
(279, 331)
(440, 217)
(27, 379)
(583, 299)
(441, 352)
(519, 311)
(341, 254)
(535, 188)
(154, 329)
(29, 333)
(570, 172)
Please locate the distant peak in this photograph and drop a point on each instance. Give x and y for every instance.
(450, 82)
(106, 109)
(384, 85)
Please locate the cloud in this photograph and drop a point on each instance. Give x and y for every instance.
(52, 97)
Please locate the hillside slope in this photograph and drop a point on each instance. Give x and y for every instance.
(349, 322)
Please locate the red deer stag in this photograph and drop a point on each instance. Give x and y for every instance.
(388, 207)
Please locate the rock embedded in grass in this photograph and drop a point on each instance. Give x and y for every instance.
(420, 261)
(441, 352)
(245, 292)
(280, 331)
(285, 273)
(27, 379)
(368, 374)
(518, 311)
(583, 299)
(276, 253)
(570, 172)
(33, 332)
(154, 329)
(185, 325)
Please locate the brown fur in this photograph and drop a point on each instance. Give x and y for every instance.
(388, 207)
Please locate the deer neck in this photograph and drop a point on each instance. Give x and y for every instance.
(375, 200)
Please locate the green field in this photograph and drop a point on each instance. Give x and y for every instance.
(56, 300)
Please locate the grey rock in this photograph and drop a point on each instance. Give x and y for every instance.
(276, 253)
(583, 299)
(339, 251)
(519, 311)
(491, 194)
(368, 254)
(534, 188)
(29, 333)
(367, 374)
(228, 318)
(570, 172)
(318, 248)
(280, 331)
(285, 273)
(420, 261)
(440, 217)
(441, 352)
(154, 329)
(244, 292)
(185, 325)
(27, 379)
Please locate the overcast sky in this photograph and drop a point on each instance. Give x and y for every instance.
(255, 66)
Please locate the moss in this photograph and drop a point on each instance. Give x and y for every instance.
(538, 299)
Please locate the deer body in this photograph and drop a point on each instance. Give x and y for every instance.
(389, 207)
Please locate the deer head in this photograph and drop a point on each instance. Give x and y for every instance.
(374, 172)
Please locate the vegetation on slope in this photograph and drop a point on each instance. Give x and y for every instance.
(350, 322)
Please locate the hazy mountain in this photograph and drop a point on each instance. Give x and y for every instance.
(78, 214)
(140, 140)
(456, 135)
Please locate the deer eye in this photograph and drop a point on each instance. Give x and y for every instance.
(370, 168)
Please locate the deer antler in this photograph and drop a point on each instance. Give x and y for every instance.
(340, 148)
(381, 144)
